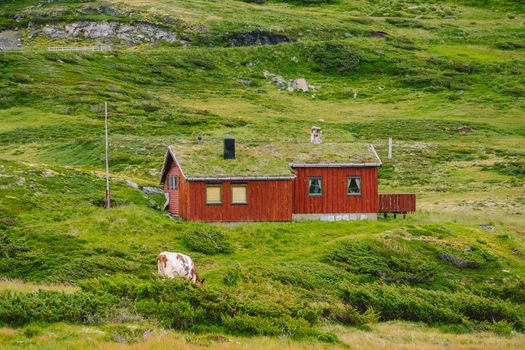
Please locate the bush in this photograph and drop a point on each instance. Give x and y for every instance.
(393, 261)
(256, 325)
(336, 58)
(433, 307)
(207, 239)
(50, 306)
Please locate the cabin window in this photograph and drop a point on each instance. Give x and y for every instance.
(213, 194)
(240, 194)
(353, 186)
(173, 182)
(315, 186)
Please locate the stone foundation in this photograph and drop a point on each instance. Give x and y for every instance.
(335, 216)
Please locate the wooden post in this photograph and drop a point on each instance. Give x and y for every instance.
(389, 148)
(108, 194)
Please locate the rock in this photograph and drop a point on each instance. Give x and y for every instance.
(152, 190)
(457, 261)
(257, 38)
(53, 31)
(488, 227)
(249, 64)
(108, 10)
(279, 80)
(506, 271)
(299, 84)
(10, 39)
(464, 129)
(130, 33)
(268, 74)
(517, 251)
(244, 81)
(378, 34)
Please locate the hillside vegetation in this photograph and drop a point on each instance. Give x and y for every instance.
(444, 79)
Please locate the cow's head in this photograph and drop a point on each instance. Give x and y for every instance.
(199, 281)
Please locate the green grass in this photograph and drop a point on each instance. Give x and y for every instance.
(456, 67)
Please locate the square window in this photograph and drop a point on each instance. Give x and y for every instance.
(353, 186)
(315, 186)
(239, 194)
(213, 194)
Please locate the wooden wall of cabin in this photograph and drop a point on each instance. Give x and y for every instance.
(334, 198)
(268, 200)
(174, 194)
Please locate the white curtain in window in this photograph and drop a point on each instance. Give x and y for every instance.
(354, 185)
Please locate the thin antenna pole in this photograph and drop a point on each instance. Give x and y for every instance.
(389, 148)
(108, 196)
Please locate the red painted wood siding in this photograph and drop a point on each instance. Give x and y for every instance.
(335, 198)
(397, 203)
(268, 200)
(175, 195)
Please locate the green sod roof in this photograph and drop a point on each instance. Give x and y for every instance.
(268, 160)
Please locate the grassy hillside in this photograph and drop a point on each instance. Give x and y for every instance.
(444, 79)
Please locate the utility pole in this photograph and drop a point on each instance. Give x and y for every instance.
(108, 195)
(389, 148)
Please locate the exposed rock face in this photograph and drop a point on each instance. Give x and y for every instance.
(10, 39)
(152, 190)
(457, 261)
(257, 38)
(131, 33)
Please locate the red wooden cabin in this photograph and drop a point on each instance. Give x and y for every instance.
(291, 181)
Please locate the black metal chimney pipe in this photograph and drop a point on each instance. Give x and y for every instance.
(229, 147)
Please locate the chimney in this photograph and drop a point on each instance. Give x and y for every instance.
(316, 135)
(229, 147)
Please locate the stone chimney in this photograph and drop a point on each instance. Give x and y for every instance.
(316, 135)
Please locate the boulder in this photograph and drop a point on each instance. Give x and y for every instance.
(10, 39)
(279, 80)
(152, 190)
(298, 84)
(257, 38)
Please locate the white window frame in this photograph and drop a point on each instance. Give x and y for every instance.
(173, 182)
(360, 184)
(320, 185)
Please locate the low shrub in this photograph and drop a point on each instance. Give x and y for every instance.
(433, 307)
(207, 239)
(336, 58)
(49, 306)
(277, 326)
(393, 261)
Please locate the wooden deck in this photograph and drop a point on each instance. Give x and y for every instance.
(401, 203)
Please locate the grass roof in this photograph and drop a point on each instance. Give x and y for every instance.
(270, 159)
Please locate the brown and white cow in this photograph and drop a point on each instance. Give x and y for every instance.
(173, 265)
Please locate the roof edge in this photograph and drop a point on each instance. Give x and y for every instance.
(241, 178)
(334, 165)
(164, 169)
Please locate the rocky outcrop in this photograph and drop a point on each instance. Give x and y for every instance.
(130, 33)
(257, 38)
(299, 84)
(10, 40)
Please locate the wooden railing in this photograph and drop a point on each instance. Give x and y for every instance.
(397, 203)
